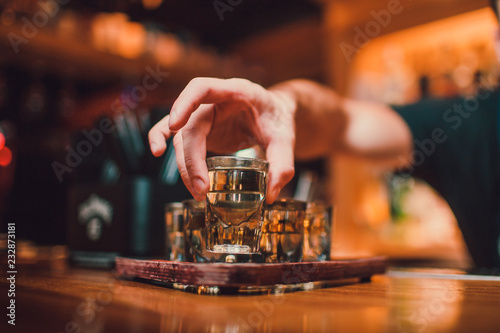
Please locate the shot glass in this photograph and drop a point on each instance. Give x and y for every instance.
(195, 235)
(234, 205)
(283, 231)
(317, 232)
(174, 236)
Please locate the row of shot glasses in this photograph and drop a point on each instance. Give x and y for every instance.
(292, 231)
(234, 225)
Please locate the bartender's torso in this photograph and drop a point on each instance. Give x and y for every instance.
(457, 144)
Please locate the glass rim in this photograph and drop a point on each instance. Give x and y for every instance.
(321, 207)
(286, 204)
(225, 162)
(313, 206)
(193, 203)
(173, 205)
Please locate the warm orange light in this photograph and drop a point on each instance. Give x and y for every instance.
(168, 50)
(130, 40)
(151, 4)
(2, 141)
(5, 156)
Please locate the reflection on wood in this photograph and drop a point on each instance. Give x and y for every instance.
(76, 300)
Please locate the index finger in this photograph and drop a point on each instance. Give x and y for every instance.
(209, 91)
(158, 135)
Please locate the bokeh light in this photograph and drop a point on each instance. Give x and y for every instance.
(5, 156)
(2, 141)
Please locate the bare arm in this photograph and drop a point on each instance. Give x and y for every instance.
(328, 123)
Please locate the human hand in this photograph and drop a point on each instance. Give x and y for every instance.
(224, 116)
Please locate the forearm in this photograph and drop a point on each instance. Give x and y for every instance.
(319, 117)
(327, 123)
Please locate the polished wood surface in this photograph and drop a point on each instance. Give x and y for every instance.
(62, 299)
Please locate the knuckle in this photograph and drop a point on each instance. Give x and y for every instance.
(245, 89)
(199, 85)
(187, 181)
(239, 81)
(196, 81)
(184, 176)
(189, 160)
(191, 169)
(189, 132)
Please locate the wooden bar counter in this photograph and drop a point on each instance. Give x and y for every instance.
(58, 298)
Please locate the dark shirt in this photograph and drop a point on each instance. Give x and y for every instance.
(456, 150)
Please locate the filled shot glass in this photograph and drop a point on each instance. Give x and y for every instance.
(174, 235)
(234, 205)
(317, 232)
(194, 231)
(283, 231)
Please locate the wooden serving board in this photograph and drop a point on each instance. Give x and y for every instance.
(249, 274)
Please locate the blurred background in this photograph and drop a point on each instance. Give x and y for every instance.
(81, 83)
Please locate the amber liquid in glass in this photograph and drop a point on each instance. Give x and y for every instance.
(234, 210)
(194, 236)
(281, 246)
